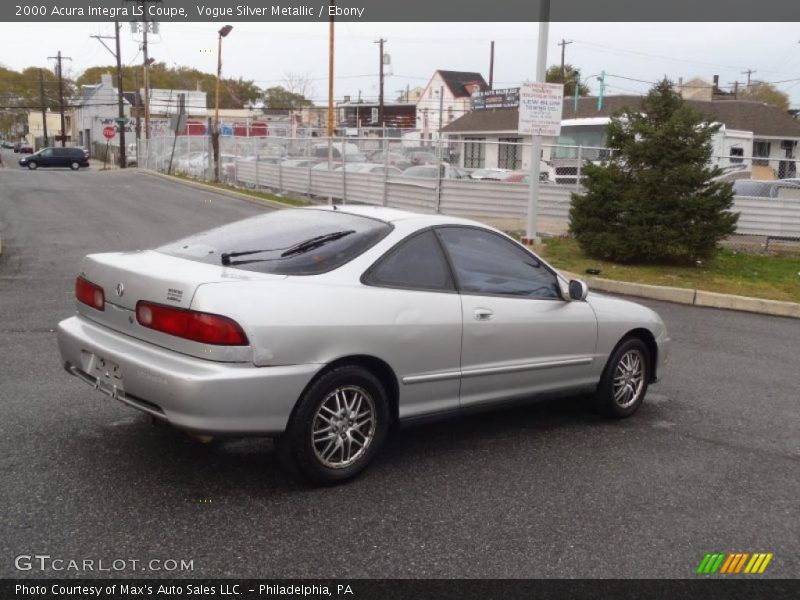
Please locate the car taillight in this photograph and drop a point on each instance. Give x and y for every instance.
(200, 327)
(89, 293)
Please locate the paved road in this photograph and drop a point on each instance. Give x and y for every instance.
(710, 463)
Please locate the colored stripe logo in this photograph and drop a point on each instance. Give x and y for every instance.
(734, 562)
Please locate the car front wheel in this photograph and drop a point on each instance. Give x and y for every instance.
(337, 427)
(624, 383)
(32, 165)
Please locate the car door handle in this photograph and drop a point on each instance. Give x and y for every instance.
(483, 314)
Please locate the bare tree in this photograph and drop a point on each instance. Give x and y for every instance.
(299, 83)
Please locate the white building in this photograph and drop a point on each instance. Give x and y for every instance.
(489, 138)
(96, 109)
(456, 88)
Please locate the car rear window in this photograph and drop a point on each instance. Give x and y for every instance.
(256, 244)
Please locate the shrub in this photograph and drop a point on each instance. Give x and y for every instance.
(655, 199)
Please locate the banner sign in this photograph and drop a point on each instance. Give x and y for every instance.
(508, 98)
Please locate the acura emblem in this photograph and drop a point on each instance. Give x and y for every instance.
(120, 289)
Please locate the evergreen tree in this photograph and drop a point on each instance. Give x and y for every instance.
(655, 199)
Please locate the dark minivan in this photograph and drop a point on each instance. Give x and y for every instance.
(74, 158)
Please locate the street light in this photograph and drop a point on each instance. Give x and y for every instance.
(215, 138)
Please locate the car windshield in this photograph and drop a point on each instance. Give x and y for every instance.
(266, 238)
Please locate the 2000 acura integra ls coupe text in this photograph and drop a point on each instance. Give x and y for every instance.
(323, 327)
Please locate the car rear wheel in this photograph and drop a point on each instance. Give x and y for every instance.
(74, 165)
(33, 165)
(337, 427)
(624, 383)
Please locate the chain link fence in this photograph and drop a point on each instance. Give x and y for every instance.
(466, 177)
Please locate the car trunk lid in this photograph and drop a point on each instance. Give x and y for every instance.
(128, 277)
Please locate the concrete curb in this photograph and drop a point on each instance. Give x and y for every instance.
(1, 246)
(211, 188)
(694, 297)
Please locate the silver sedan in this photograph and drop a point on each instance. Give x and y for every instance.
(323, 327)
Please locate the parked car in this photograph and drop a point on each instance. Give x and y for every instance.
(429, 172)
(421, 157)
(545, 175)
(23, 148)
(71, 157)
(8, 144)
(197, 163)
(324, 326)
(395, 159)
(131, 158)
(491, 174)
(767, 188)
(298, 162)
(349, 151)
(325, 166)
(368, 168)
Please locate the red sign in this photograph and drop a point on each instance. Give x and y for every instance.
(109, 131)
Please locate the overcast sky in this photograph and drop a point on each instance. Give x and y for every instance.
(265, 52)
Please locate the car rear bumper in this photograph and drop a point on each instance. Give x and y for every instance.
(189, 393)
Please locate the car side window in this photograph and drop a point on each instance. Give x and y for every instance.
(46, 153)
(417, 263)
(488, 264)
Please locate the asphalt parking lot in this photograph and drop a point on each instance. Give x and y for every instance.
(709, 464)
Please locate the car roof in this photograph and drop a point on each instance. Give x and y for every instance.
(393, 215)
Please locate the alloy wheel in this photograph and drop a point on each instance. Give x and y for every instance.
(628, 378)
(343, 426)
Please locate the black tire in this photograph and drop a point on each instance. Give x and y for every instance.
(607, 400)
(33, 165)
(295, 449)
(74, 165)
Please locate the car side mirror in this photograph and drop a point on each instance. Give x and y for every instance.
(578, 290)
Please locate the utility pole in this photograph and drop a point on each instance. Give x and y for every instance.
(146, 64)
(491, 65)
(563, 43)
(748, 73)
(536, 140)
(602, 92)
(123, 162)
(44, 107)
(59, 58)
(146, 78)
(223, 32)
(120, 98)
(330, 79)
(380, 43)
(441, 111)
(735, 85)
(137, 111)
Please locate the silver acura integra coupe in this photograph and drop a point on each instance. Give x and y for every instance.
(324, 327)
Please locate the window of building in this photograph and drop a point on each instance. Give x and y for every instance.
(509, 153)
(761, 150)
(735, 153)
(474, 156)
